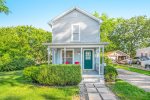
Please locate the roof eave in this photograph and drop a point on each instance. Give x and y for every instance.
(50, 24)
(102, 43)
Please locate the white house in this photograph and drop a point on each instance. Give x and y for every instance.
(76, 40)
(143, 52)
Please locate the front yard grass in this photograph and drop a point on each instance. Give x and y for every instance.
(13, 86)
(126, 67)
(126, 91)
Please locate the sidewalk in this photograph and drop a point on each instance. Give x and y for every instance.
(94, 89)
(139, 80)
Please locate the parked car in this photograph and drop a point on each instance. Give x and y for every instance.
(136, 60)
(145, 62)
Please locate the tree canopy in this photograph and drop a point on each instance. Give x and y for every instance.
(131, 34)
(21, 46)
(107, 26)
(3, 7)
(126, 35)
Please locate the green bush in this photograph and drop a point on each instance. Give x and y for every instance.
(30, 73)
(110, 73)
(9, 64)
(54, 74)
(21, 46)
(107, 60)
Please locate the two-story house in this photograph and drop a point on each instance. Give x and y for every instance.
(76, 40)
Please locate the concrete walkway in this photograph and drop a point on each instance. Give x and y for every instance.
(139, 80)
(94, 89)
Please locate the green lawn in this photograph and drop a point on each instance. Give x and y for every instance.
(126, 91)
(126, 67)
(14, 87)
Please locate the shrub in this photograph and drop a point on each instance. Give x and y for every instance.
(30, 73)
(21, 47)
(54, 74)
(108, 60)
(110, 73)
(9, 64)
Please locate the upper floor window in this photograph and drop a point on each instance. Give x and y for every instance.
(75, 32)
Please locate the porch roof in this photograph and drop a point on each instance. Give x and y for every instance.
(75, 45)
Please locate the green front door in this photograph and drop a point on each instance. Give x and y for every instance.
(88, 59)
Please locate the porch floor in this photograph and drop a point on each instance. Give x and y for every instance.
(91, 74)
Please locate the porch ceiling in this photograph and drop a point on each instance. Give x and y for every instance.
(75, 45)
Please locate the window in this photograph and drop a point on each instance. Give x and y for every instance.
(69, 57)
(75, 32)
(146, 54)
(88, 55)
(142, 55)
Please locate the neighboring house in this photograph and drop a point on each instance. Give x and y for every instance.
(117, 56)
(143, 52)
(76, 40)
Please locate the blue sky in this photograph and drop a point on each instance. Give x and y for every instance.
(38, 12)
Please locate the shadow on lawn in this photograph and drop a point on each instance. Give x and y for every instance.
(13, 79)
(50, 97)
(64, 91)
(12, 98)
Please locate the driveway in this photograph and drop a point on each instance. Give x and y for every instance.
(139, 80)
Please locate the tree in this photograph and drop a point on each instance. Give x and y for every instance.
(131, 34)
(3, 7)
(21, 46)
(125, 34)
(107, 26)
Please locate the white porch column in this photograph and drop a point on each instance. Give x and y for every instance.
(99, 60)
(81, 62)
(103, 60)
(48, 52)
(64, 55)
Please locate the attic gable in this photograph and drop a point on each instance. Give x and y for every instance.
(71, 10)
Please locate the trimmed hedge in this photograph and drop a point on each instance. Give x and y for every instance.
(54, 74)
(110, 73)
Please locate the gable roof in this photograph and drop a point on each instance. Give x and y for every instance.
(79, 10)
(118, 52)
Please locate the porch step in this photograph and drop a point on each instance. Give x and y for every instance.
(93, 76)
(93, 79)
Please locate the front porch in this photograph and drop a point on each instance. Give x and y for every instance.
(91, 74)
(89, 55)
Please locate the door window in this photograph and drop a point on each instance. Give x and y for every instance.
(88, 55)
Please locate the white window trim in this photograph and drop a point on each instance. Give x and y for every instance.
(67, 50)
(72, 33)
